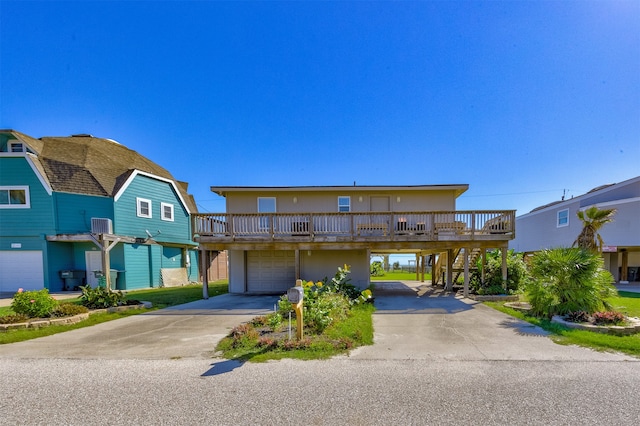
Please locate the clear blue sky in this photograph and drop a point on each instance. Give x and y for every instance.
(521, 100)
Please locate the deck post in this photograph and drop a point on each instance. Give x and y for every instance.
(449, 284)
(466, 271)
(417, 267)
(484, 264)
(204, 271)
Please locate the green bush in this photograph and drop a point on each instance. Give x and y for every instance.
(566, 280)
(68, 310)
(34, 304)
(376, 269)
(517, 274)
(100, 297)
(13, 319)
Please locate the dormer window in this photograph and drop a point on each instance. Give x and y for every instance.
(16, 147)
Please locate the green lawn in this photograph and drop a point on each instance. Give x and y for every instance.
(160, 297)
(627, 303)
(399, 276)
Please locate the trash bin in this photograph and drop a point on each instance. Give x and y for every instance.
(72, 278)
(113, 276)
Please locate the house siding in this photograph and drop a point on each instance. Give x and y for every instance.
(36, 220)
(319, 264)
(74, 211)
(327, 201)
(128, 223)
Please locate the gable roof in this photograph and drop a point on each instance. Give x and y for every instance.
(84, 164)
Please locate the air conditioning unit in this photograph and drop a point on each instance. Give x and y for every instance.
(101, 225)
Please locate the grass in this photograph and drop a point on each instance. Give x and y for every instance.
(356, 330)
(399, 276)
(160, 297)
(627, 303)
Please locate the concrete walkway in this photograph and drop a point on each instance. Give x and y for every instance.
(412, 321)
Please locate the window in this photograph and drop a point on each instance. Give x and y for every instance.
(563, 218)
(143, 207)
(167, 211)
(344, 204)
(266, 205)
(16, 147)
(14, 197)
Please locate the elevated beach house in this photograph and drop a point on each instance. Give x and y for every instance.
(275, 235)
(75, 209)
(557, 225)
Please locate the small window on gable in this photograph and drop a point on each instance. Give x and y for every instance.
(167, 211)
(563, 218)
(344, 204)
(16, 147)
(143, 207)
(14, 197)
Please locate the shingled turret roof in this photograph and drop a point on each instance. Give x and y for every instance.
(84, 164)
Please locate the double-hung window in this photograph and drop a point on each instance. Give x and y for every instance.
(143, 208)
(167, 211)
(344, 204)
(563, 218)
(14, 197)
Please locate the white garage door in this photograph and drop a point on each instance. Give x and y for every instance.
(270, 271)
(21, 269)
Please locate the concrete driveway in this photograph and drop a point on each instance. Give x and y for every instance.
(412, 321)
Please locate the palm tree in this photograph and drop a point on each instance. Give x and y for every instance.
(593, 219)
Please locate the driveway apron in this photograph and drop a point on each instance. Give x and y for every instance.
(412, 321)
(416, 321)
(183, 331)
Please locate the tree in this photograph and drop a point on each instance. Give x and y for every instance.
(593, 219)
(566, 280)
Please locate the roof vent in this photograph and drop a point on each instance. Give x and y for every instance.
(82, 135)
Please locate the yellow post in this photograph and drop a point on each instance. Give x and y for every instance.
(299, 323)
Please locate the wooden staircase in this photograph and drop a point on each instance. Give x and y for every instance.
(438, 275)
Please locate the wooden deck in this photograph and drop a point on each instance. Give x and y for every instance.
(373, 229)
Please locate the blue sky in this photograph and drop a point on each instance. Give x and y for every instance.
(521, 100)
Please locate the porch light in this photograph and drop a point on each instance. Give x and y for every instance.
(397, 199)
(295, 200)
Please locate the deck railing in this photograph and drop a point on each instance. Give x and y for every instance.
(353, 225)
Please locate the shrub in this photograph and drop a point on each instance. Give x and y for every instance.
(34, 304)
(608, 318)
(68, 309)
(100, 297)
(376, 269)
(13, 319)
(274, 321)
(567, 280)
(578, 316)
(517, 274)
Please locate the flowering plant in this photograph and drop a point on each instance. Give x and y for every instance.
(34, 304)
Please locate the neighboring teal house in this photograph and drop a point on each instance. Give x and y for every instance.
(70, 206)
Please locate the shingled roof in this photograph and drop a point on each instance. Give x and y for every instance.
(85, 164)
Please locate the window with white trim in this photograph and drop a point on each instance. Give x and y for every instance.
(344, 204)
(167, 211)
(16, 147)
(14, 197)
(143, 207)
(563, 218)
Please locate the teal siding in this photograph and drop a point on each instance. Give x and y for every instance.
(74, 211)
(192, 270)
(128, 223)
(59, 257)
(171, 257)
(142, 266)
(34, 221)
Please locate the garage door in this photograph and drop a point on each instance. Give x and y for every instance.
(21, 269)
(270, 271)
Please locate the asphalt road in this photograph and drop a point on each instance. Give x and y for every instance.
(433, 363)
